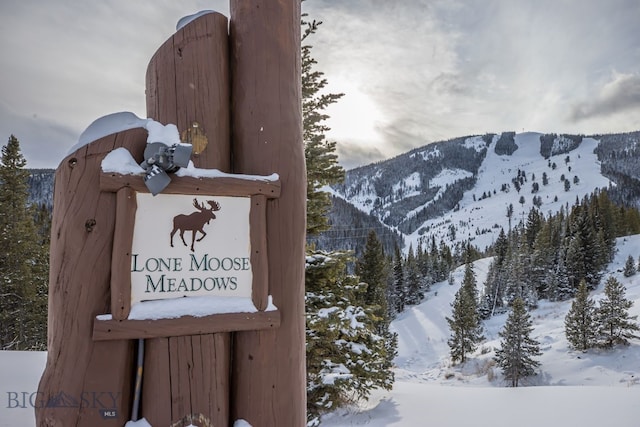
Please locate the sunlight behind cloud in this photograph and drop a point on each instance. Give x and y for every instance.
(355, 119)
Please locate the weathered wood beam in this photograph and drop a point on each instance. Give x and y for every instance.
(112, 329)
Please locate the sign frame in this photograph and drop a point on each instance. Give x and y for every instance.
(258, 188)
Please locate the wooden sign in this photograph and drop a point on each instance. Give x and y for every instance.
(203, 237)
(186, 245)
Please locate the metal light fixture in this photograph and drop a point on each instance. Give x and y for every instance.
(160, 160)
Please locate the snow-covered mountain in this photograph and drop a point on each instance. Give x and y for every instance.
(461, 189)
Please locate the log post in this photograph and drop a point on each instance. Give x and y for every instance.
(188, 82)
(83, 378)
(268, 375)
(187, 378)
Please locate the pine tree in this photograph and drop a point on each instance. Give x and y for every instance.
(466, 330)
(515, 356)
(373, 270)
(629, 267)
(23, 269)
(425, 266)
(414, 285)
(494, 287)
(519, 282)
(346, 357)
(579, 323)
(615, 326)
(321, 160)
(399, 288)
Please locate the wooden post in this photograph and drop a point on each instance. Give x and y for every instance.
(268, 375)
(83, 377)
(188, 82)
(187, 378)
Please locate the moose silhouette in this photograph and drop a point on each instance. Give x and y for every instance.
(195, 221)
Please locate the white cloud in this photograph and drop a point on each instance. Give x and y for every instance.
(620, 94)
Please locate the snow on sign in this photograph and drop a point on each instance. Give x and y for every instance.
(190, 245)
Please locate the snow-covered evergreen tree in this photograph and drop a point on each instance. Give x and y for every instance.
(519, 282)
(518, 349)
(373, 271)
(580, 321)
(414, 283)
(495, 284)
(320, 153)
(629, 267)
(615, 325)
(346, 357)
(466, 329)
(371, 268)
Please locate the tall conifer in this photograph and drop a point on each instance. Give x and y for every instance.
(320, 154)
(579, 323)
(399, 286)
(346, 357)
(615, 325)
(466, 329)
(414, 283)
(23, 269)
(515, 357)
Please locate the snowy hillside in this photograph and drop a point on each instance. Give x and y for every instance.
(479, 220)
(460, 190)
(594, 388)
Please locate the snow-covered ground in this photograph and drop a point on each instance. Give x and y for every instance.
(595, 388)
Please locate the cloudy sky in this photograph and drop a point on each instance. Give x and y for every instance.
(413, 72)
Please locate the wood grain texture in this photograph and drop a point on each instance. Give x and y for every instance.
(268, 375)
(156, 384)
(259, 258)
(185, 325)
(121, 258)
(199, 376)
(79, 288)
(188, 81)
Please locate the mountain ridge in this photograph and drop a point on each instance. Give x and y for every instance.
(442, 188)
